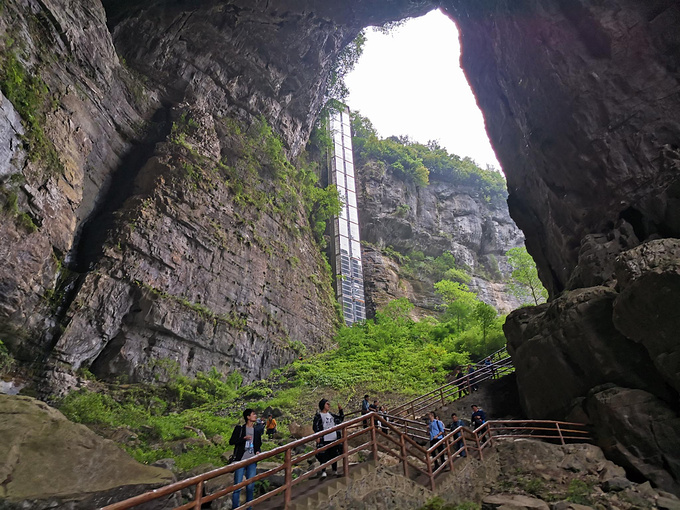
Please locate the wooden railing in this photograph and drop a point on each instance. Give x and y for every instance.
(396, 436)
(457, 389)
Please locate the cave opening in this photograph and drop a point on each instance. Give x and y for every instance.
(408, 82)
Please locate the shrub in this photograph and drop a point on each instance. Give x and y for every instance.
(6, 359)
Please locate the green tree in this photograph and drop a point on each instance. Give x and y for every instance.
(458, 300)
(485, 315)
(525, 284)
(344, 63)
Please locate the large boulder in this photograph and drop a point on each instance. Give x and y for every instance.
(572, 343)
(53, 463)
(639, 432)
(646, 310)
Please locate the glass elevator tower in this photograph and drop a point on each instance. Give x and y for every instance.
(349, 284)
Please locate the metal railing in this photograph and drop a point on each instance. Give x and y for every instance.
(396, 436)
(459, 388)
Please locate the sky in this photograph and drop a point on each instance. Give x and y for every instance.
(409, 82)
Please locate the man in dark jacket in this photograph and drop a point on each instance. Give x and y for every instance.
(365, 408)
(455, 423)
(247, 441)
(324, 420)
(478, 417)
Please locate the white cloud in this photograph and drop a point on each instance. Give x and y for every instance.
(410, 83)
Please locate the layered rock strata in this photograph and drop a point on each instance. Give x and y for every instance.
(162, 265)
(434, 219)
(581, 103)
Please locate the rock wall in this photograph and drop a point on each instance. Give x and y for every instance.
(134, 245)
(49, 462)
(581, 103)
(434, 219)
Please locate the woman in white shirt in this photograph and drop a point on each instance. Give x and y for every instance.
(324, 420)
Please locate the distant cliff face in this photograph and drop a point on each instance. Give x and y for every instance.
(433, 219)
(581, 104)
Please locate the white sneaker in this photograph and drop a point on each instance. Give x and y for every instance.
(324, 474)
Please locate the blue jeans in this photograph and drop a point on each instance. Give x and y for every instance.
(250, 471)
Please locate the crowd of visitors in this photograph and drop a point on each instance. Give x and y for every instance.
(247, 438)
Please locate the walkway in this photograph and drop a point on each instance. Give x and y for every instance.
(399, 436)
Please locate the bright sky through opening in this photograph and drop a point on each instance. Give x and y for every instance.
(410, 83)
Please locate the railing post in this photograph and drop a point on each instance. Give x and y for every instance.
(288, 492)
(413, 411)
(560, 432)
(441, 394)
(429, 471)
(479, 446)
(488, 426)
(402, 443)
(374, 439)
(345, 458)
(448, 453)
(199, 494)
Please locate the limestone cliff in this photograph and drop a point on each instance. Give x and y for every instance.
(581, 103)
(49, 462)
(441, 217)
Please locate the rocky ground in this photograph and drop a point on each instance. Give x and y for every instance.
(537, 475)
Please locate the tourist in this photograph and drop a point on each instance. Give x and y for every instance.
(365, 405)
(490, 368)
(471, 371)
(247, 443)
(478, 417)
(259, 426)
(383, 415)
(324, 420)
(271, 426)
(455, 423)
(460, 382)
(373, 407)
(436, 430)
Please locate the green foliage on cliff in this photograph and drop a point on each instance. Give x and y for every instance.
(390, 353)
(445, 266)
(160, 415)
(31, 99)
(420, 163)
(344, 63)
(525, 284)
(6, 359)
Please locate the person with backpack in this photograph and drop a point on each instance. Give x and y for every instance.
(324, 420)
(435, 427)
(247, 441)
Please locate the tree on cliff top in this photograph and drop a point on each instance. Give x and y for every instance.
(344, 63)
(419, 163)
(525, 284)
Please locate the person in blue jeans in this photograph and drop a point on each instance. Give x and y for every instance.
(247, 440)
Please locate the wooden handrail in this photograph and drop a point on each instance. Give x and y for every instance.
(482, 373)
(481, 438)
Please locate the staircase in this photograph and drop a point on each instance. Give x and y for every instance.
(501, 364)
(400, 437)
